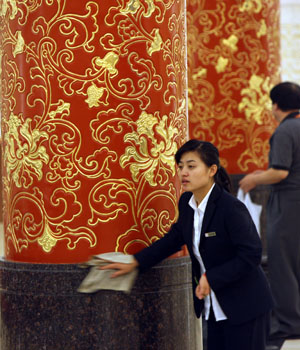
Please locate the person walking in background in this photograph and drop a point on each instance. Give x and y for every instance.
(230, 288)
(283, 210)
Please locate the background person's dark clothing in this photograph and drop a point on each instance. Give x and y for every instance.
(285, 152)
(283, 227)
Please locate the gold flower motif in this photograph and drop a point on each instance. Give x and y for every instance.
(251, 5)
(190, 102)
(23, 154)
(108, 62)
(131, 7)
(231, 42)
(94, 94)
(221, 65)
(257, 99)
(202, 73)
(152, 151)
(263, 29)
(14, 8)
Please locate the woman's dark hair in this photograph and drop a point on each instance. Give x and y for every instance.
(209, 154)
(286, 95)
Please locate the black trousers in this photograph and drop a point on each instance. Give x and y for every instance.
(251, 335)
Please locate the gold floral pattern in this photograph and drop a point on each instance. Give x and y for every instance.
(233, 60)
(256, 100)
(93, 112)
(24, 160)
(154, 158)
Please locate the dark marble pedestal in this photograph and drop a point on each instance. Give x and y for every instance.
(42, 310)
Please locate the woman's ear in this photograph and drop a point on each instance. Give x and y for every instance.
(213, 170)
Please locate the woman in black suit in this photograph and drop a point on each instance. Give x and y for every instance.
(231, 290)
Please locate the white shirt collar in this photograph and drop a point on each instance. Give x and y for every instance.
(202, 205)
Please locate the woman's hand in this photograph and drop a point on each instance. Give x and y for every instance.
(203, 288)
(122, 269)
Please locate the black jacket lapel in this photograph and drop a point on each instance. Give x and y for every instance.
(189, 226)
(210, 208)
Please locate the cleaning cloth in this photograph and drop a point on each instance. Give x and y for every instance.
(98, 279)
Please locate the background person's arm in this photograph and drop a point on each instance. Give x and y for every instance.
(267, 177)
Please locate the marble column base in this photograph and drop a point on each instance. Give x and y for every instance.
(42, 310)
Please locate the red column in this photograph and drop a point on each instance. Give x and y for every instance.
(233, 60)
(93, 111)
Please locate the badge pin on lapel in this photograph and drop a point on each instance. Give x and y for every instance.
(210, 234)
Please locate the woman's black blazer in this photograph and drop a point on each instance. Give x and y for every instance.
(231, 251)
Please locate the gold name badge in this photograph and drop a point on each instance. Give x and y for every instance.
(210, 234)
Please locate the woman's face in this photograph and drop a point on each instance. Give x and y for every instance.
(195, 175)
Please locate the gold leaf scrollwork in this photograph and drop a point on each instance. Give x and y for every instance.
(1, 56)
(47, 241)
(105, 196)
(154, 154)
(4, 8)
(151, 8)
(256, 98)
(156, 43)
(19, 48)
(47, 230)
(63, 107)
